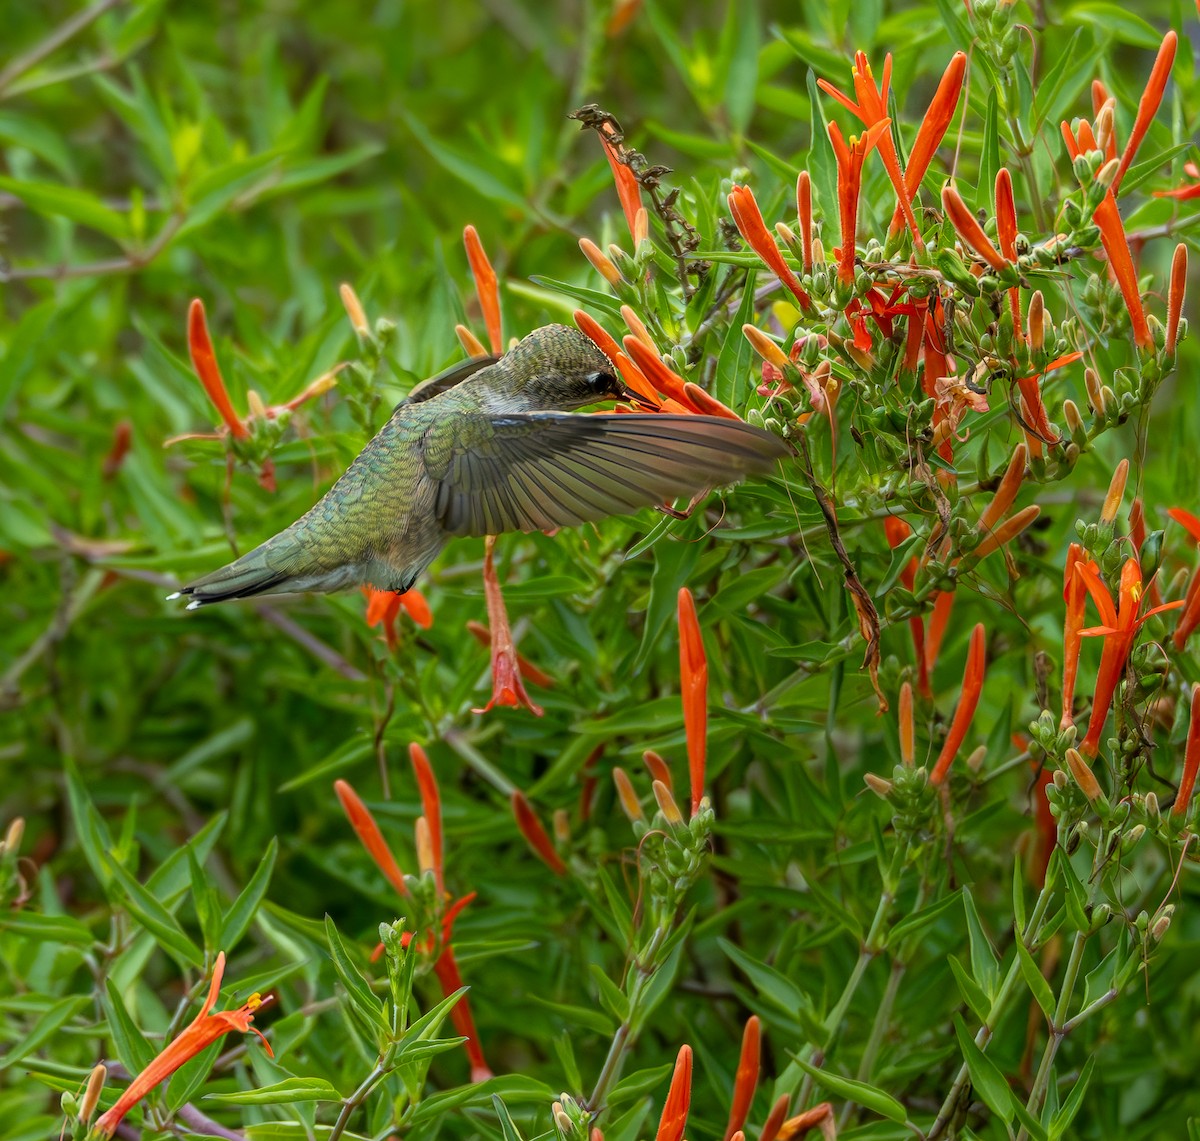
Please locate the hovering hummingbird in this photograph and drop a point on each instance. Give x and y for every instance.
(486, 447)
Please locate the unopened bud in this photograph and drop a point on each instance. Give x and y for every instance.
(354, 309)
(14, 835)
(1116, 492)
(641, 228)
(254, 402)
(91, 1095)
(666, 804)
(471, 344)
(878, 785)
(600, 262)
(1153, 811)
(1084, 777)
(1104, 124)
(976, 759)
(423, 840)
(1107, 174)
(1073, 417)
(628, 798)
(1162, 921)
(565, 1125)
(562, 826)
(1037, 321)
(766, 348)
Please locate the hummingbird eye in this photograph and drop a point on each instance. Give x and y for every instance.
(601, 383)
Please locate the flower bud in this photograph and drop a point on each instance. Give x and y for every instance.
(878, 785)
(354, 310)
(91, 1095)
(1084, 777)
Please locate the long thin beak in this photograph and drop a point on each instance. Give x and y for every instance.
(635, 398)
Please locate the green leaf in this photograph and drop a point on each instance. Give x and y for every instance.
(611, 996)
(241, 912)
(776, 988)
(986, 1077)
(68, 202)
(508, 1128)
(985, 967)
(155, 917)
(736, 355)
(1114, 21)
(989, 159)
(869, 1097)
(52, 1019)
(281, 1093)
(971, 991)
(130, 1043)
(1061, 1121)
(913, 924)
(358, 990)
(1034, 979)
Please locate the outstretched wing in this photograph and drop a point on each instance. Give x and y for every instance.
(446, 379)
(541, 470)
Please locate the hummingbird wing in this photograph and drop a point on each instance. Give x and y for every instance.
(446, 379)
(541, 470)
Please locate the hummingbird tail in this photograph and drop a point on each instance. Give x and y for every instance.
(275, 567)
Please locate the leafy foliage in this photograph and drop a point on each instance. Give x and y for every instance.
(998, 943)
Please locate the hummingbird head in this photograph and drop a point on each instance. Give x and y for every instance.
(557, 369)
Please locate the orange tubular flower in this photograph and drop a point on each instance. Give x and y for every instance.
(1175, 294)
(871, 109)
(198, 1035)
(971, 688)
(1112, 236)
(904, 715)
(445, 966)
(775, 1119)
(204, 361)
(1007, 531)
(746, 1080)
(1191, 758)
(507, 686)
(967, 227)
(630, 804)
(679, 1097)
(1189, 190)
(628, 190)
(707, 404)
(938, 620)
(666, 381)
(1075, 596)
(693, 672)
(897, 531)
(1148, 104)
(1006, 233)
(850, 157)
(369, 835)
(597, 334)
(933, 128)
(658, 769)
(749, 221)
(486, 286)
(431, 807)
(537, 837)
(1121, 622)
(1189, 617)
(804, 215)
(529, 672)
(384, 606)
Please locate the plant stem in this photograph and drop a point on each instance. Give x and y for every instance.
(355, 1100)
(65, 31)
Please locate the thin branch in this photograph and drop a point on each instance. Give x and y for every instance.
(65, 31)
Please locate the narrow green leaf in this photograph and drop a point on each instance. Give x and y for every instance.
(1034, 979)
(869, 1097)
(241, 912)
(1061, 1121)
(986, 1077)
(281, 1093)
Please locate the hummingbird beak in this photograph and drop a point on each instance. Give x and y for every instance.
(640, 402)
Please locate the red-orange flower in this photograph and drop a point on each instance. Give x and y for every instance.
(746, 1079)
(897, 530)
(1075, 596)
(529, 672)
(486, 286)
(204, 361)
(972, 686)
(507, 686)
(1006, 234)
(1120, 624)
(693, 675)
(628, 190)
(1189, 190)
(679, 1097)
(938, 620)
(804, 214)
(1175, 294)
(936, 121)
(445, 967)
(749, 221)
(431, 808)
(967, 227)
(871, 109)
(1149, 103)
(1112, 236)
(198, 1035)
(384, 606)
(1189, 617)
(1191, 757)
(531, 828)
(850, 156)
(660, 377)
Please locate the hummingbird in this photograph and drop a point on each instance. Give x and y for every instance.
(493, 445)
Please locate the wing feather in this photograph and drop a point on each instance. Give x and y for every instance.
(541, 470)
